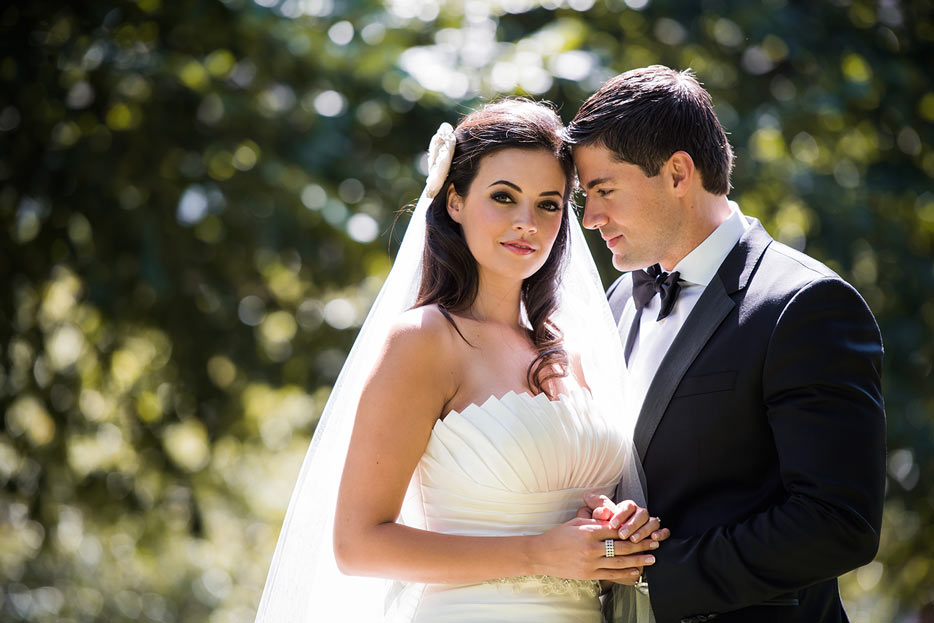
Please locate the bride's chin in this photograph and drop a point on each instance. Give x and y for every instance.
(519, 274)
(528, 272)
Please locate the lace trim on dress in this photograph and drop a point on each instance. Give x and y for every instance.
(551, 585)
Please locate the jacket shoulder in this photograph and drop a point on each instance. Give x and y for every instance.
(787, 278)
(795, 259)
(786, 270)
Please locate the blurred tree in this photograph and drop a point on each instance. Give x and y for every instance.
(197, 203)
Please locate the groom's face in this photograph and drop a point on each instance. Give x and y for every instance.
(634, 213)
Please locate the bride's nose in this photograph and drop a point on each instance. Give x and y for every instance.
(524, 219)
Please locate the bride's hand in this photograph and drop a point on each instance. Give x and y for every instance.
(576, 549)
(633, 521)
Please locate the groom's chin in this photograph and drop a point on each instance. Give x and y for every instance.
(620, 264)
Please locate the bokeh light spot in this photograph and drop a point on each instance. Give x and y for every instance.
(251, 310)
(329, 103)
(246, 155)
(222, 371)
(362, 228)
(279, 326)
(340, 313)
(767, 144)
(193, 206)
(187, 444)
(193, 75)
(926, 106)
(351, 190)
(341, 33)
(314, 197)
(855, 68)
(27, 416)
(220, 63)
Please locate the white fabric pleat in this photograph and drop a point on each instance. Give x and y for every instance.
(517, 464)
(513, 465)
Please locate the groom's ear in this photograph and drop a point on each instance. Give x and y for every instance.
(455, 204)
(680, 171)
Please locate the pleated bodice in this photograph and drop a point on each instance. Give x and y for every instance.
(514, 465)
(519, 464)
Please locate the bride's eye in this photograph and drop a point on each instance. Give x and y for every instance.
(501, 197)
(550, 206)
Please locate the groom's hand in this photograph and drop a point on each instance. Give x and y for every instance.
(632, 521)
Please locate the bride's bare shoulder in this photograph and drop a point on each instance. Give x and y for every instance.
(426, 322)
(419, 351)
(422, 331)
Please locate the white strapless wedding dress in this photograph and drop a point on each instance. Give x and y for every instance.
(514, 465)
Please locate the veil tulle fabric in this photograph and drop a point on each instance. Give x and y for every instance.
(304, 584)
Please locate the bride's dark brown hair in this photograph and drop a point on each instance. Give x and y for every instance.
(449, 271)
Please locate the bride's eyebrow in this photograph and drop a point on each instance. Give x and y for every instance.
(517, 189)
(510, 184)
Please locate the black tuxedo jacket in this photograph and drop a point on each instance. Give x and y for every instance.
(762, 439)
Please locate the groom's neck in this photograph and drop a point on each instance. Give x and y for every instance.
(703, 212)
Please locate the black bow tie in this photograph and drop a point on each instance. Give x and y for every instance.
(646, 283)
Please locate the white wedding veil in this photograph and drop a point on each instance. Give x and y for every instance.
(304, 584)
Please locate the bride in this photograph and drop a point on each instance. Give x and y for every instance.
(478, 407)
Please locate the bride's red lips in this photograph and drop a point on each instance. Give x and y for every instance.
(520, 247)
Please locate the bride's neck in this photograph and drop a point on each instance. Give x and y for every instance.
(497, 302)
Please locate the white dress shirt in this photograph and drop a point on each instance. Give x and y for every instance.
(697, 268)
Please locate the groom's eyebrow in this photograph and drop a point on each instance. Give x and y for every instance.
(596, 182)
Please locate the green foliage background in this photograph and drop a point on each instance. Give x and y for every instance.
(196, 210)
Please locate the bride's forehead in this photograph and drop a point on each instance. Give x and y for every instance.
(522, 164)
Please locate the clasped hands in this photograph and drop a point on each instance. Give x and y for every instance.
(577, 547)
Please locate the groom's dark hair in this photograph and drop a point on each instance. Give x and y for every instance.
(645, 115)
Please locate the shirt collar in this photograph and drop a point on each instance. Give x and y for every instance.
(700, 265)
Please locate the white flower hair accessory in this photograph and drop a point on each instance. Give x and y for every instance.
(440, 154)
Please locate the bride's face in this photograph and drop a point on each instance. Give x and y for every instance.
(512, 211)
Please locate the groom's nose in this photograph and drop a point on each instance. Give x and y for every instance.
(594, 218)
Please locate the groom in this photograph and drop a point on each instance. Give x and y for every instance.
(756, 369)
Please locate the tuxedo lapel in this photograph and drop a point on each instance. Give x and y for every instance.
(709, 311)
(619, 294)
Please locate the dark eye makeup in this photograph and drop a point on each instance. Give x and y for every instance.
(506, 198)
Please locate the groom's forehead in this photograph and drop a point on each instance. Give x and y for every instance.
(596, 165)
(592, 154)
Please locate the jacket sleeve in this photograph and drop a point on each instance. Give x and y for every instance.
(822, 396)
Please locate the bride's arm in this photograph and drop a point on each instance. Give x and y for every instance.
(411, 383)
